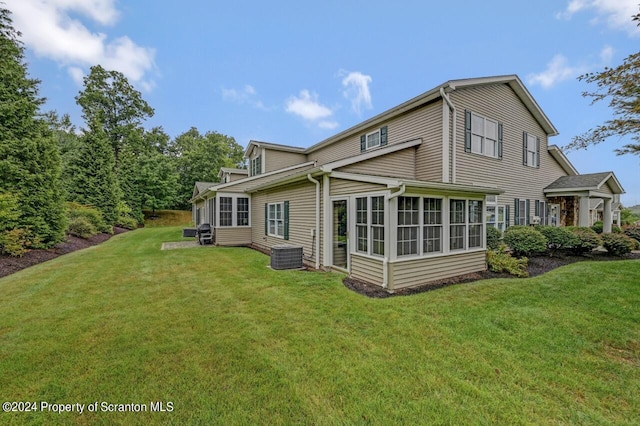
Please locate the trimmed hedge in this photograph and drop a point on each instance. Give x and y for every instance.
(558, 238)
(587, 239)
(633, 231)
(494, 235)
(81, 227)
(525, 240)
(94, 216)
(617, 244)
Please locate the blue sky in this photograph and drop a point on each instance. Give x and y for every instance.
(296, 72)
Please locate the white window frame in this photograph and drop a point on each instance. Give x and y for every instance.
(238, 212)
(532, 151)
(427, 224)
(275, 221)
(481, 137)
(369, 224)
(408, 227)
(234, 210)
(498, 212)
(362, 225)
(542, 212)
(458, 224)
(369, 137)
(475, 220)
(224, 211)
(522, 212)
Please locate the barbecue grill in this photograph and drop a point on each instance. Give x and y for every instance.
(205, 234)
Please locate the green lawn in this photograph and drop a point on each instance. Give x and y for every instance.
(228, 341)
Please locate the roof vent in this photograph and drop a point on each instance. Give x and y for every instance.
(286, 257)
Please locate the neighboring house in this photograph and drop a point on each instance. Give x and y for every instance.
(404, 198)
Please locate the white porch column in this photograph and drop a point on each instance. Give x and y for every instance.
(607, 219)
(583, 214)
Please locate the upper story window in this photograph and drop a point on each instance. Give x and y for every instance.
(530, 150)
(482, 135)
(256, 165)
(373, 139)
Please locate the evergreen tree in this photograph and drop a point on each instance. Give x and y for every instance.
(92, 178)
(29, 159)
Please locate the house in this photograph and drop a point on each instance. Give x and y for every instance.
(404, 198)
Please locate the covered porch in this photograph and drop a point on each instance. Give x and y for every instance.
(574, 197)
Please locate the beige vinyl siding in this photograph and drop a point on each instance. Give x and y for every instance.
(236, 176)
(420, 271)
(401, 164)
(233, 236)
(605, 189)
(348, 187)
(276, 160)
(429, 154)
(367, 269)
(419, 123)
(499, 102)
(302, 217)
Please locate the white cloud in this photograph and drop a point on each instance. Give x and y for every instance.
(616, 13)
(559, 69)
(49, 30)
(247, 95)
(306, 105)
(357, 90)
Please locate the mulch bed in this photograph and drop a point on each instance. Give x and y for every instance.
(9, 265)
(537, 266)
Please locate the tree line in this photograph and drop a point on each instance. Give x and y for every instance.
(112, 164)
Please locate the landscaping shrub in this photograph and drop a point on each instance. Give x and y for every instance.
(633, 231)
(597, 227)
(127, 222)
(501, 261)
(617, 244)
(81, 227)
(587, 239)
(525, 240)
(94, 216)
(494, 235)
(558, 238)
(15, 242)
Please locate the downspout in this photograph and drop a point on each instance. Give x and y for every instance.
(385, 261)
(317, 230)
(453, 153)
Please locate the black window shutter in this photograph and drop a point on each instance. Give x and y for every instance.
(266, 219)
(538, 152)
(467, 131)
(500, 140)
(383, 135)
(363, 143)
(526, 213)
(516, 212)
(506, 216)
(524, 148)
(286, 220)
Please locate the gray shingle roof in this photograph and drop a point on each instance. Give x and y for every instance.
(201, 186)
(591, 181)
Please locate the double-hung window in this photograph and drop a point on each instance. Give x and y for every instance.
(475, 223)
(541, 211)
(432, 229)
(457, 224)
(370, 225)
(483, 135)
(362, 227)
(521, 212)
(256, 165)
(373, 139)
(242, 211)
(531, 150)
(275, 219)
(408, 225)
(495, 214)
(226, 211)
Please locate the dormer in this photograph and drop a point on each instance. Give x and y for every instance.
(227, 174)
(264, 157)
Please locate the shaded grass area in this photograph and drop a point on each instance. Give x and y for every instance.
(167, 218)
(229, 341)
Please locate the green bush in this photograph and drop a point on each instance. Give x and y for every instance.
(525, 240)
(9, 211)
(597, 227)
(81, 227)
(633, 231)
(94, 216)
(617, 244)
(494, 235)
(127, 222)
(501, 261)
(15, 242)
(558, 238)
(587, 239)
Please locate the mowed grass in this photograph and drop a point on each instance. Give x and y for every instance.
(229, 341)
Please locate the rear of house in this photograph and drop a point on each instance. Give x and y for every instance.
(404, 198)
